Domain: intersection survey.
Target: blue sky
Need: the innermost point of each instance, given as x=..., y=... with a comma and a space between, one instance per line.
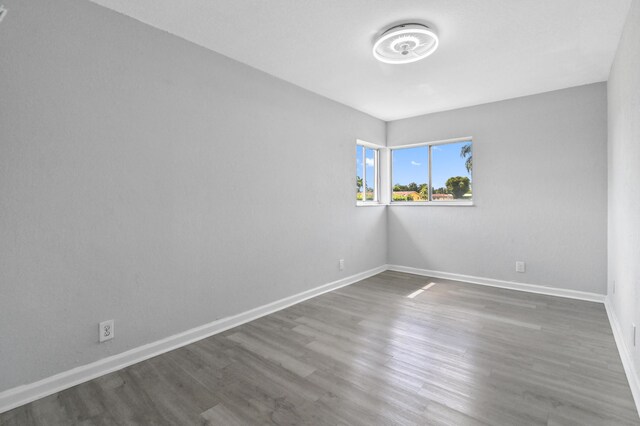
x=412, y=164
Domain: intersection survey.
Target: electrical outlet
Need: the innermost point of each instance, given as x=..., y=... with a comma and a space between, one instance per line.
x=341, y=264
x=106, y=330
x=520, y=266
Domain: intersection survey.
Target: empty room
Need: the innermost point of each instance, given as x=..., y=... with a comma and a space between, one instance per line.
x=356, y=212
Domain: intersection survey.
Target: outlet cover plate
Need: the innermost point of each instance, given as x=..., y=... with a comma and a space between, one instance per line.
x=106, y=330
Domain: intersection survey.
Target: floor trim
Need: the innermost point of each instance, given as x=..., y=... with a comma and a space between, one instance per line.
x=511, y=285
x=24, y=394
x=627, y=362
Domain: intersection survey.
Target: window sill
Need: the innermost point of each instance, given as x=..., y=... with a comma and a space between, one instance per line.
x=433, y=203
x=369, y=204
x=418, y=203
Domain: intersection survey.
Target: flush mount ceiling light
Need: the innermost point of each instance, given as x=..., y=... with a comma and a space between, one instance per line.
x=405, y=43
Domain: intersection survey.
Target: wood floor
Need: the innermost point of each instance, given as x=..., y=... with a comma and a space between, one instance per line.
x=368, y=354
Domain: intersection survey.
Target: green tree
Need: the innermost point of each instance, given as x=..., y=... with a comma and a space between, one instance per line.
x=412, y=187
x=359, y=184
x=398, y=187
x=424, y=191
x=466, y=152
x=458, y=186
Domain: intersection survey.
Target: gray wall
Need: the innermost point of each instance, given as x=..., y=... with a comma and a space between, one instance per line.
x=148, y=180
x=624, y=182
x=540, y=185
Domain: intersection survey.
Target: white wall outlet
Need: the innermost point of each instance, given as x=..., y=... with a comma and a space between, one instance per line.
x=520, y=266
x=341, y=264
x=106, y=330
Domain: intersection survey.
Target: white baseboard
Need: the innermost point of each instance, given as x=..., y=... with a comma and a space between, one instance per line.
x=511, y=285
x=627, y=362
x=21, y=395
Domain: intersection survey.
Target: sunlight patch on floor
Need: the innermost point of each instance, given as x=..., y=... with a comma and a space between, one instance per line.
x=417, y=292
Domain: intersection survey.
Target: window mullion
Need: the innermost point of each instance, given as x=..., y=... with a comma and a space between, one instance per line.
x=364, y=174
x=430, y=186
x=376, y=174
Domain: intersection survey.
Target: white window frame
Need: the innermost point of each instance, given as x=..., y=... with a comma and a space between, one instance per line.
x=430, y=202
x=376, y=168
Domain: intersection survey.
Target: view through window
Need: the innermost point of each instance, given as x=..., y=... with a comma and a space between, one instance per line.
x=438, y=172
x=366, y=174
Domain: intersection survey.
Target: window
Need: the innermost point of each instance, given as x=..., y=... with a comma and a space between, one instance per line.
x=410, y=168
x=437, y=172
x=367, y=172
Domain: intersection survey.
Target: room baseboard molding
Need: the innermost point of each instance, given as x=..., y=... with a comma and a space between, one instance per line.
x=625, y=354
x=511, y=285
x=24, y=394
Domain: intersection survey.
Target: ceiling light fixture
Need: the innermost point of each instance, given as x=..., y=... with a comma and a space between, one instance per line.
x=405, y=43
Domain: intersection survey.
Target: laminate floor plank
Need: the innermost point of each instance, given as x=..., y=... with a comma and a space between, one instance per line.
x=394, y=349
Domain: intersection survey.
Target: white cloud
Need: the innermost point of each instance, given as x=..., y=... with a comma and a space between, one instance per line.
x=436, y=148
x=369, y=162
x=413, y=163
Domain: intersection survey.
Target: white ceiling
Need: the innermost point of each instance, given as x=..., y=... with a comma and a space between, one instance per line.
x=489, y=49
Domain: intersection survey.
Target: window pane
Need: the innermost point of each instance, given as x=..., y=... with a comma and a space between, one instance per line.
x=410, y=174
x=370, y=164
x=359, y=174
x=366, y=174
x=451, y=171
